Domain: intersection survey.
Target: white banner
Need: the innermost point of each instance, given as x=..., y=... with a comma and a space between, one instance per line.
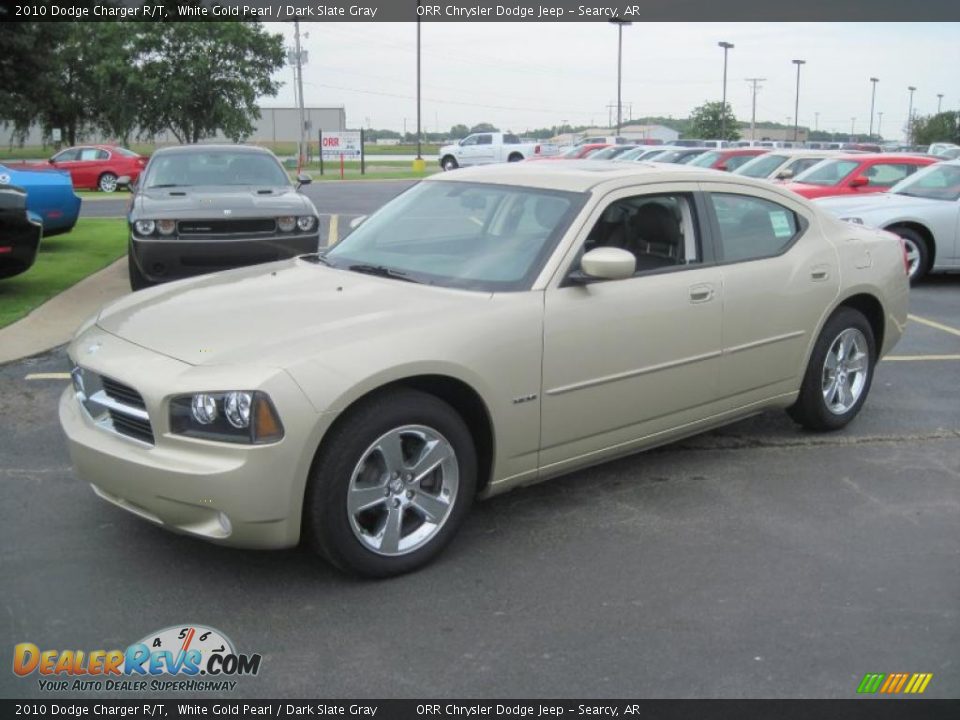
x=335, y=144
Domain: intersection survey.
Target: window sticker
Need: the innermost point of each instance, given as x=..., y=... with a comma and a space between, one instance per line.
x=782, y=227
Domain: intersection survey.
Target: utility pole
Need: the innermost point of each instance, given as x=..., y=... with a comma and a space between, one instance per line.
x=879, y=122
x=853, y=123
x=939, y=102
x=910, y=117
x=816, y=121
x=753, y=113
x=873, y=97
x=619, y=24
x=796, y=107
x=727, y=46
x=302, y=145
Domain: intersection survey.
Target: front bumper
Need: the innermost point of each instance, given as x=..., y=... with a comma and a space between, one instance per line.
x=238, y=495
x=163, y=259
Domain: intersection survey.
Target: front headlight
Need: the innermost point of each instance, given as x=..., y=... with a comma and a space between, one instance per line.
x=286, y=223
x=239, y=416
x=306, y=223
x=144, y=227
x=854, y=220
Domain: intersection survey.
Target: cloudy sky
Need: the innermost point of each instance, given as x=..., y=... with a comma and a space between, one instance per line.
x=526, y=75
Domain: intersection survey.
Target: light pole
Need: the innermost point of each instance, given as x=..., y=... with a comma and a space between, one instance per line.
x=816, y=121
x=796, y=105
x=911, y=88
x=879, y=123
x=302, y=150
x=723, y=108
x=853, y=124
x=939, y=102
x=873, y=99
x=619, y=24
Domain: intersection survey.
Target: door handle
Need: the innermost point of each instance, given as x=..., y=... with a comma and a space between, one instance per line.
x=701, y=293
x=819, y=272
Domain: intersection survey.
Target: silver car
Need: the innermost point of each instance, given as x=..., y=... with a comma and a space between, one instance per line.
x=486, y=329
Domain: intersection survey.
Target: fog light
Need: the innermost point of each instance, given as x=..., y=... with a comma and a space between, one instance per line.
x=286, y=223
x=204, y=408
x=166, y=227
x=236, y=406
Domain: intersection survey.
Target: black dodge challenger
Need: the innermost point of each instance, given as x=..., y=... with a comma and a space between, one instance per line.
x=201, y=208
x=19, y=232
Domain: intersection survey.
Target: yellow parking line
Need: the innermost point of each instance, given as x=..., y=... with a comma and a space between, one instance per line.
x=333, y=235
x=48, y=376
x=912, y=358
x=933, y=324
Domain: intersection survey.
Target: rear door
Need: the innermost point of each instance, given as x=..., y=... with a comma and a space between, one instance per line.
x=779, y=274
x=86, y=171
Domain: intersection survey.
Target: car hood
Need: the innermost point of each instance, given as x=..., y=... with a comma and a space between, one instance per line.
x=278, y=314
x=879, y=202
x=246, y=201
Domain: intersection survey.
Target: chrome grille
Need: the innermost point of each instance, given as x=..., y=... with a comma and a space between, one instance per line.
x=113, y=406
x=238, y=226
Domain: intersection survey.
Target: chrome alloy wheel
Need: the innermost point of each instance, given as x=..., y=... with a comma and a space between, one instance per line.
x=913, y=257
x=845, y=371
x=402, y=490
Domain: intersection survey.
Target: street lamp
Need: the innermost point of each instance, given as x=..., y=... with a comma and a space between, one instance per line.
x=619, y=24
x=879, y=123
x=939, y=101
x=796, y=107
x=723, y=109
x=853, y=124
x=873, y=98
x=911, y=88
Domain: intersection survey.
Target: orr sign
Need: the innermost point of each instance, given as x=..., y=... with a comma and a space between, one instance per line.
x=334, y=145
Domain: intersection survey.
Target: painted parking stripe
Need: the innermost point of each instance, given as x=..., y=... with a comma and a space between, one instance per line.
x=915, y=358
x=333, y=233
x=934, y=324
x=48, y=376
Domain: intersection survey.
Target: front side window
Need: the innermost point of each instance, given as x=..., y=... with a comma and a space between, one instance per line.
x=484, y=140
x=751, y=227
x=762, y=166
x=827, y=173
x=474, y=236
x=469, y=140
x=659, y=230
x=935, y=182
x=67, y=155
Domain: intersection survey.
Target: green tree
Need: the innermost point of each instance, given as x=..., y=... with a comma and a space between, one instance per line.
x=483, y=127
x=707, y=122
x=459, y=131
x=200, y=78
x=944, y=127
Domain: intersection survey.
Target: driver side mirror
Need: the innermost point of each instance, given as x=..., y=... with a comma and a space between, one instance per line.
x=785, y=174
x=303, y=179
x=605, y=263
x=859, y=181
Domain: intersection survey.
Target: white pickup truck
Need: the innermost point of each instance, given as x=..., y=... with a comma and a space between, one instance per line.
x=490, y=147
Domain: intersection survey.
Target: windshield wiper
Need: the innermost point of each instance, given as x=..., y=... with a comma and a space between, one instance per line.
x=382, y=271
x=316, y=258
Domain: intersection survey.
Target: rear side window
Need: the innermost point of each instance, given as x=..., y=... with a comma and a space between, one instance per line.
x=88, y=154
x=753, y=228
x=509, y=139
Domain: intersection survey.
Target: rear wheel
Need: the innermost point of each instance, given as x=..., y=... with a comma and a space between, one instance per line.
x=107, y=183
x=918, y=254
x=515, y=157
x=839, y=373
x=391, y=485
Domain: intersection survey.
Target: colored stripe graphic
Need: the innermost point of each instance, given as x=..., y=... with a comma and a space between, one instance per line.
x=918, y=683
x=870, y=683
x=894, y=683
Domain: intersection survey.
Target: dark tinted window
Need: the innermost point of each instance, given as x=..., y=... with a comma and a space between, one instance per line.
x=511, y=139
x=215, y=167
x=751, y=227
x=484, y=140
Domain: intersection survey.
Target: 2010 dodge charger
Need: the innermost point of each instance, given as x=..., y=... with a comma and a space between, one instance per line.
x=486, y=329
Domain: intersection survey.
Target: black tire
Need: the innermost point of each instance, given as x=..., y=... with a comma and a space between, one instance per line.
x=449, y=162
x=811, y=409
x=515, y=157
x=138, y=281
x=107, y=182
x=915, y=240
x=327, y=522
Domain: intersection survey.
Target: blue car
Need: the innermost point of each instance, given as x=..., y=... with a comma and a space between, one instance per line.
x=50, y=196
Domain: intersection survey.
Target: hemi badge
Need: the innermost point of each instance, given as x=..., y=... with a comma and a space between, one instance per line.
x=524, y=398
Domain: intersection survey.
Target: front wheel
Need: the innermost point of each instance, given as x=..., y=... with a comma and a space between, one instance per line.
x=391, y=485
x=839, y=373
x=917, y=252
x=107, y=183
x=449, y=163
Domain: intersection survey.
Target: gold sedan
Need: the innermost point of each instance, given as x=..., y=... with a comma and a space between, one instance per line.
x=488, y=328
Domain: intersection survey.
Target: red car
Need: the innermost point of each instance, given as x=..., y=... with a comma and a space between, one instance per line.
x=860, y=173
x=575, y=153
x=97, y=167
x=728, y=160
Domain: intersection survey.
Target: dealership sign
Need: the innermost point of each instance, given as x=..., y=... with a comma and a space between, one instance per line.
x=334, y=145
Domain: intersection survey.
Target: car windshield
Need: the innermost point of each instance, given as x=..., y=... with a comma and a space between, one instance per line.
x=633, y=154
x=572, y=152
x=474, y=236
x=609, y=153
x=687, y=156
x=198, y=167
x=706, y=160
x=935, y=182
x=761, y=166
x=828, y=172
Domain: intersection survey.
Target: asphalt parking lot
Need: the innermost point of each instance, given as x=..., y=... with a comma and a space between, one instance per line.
x=755, y=561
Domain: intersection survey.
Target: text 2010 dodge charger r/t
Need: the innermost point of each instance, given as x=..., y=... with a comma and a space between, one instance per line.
x=486, y=329
x=202, y=208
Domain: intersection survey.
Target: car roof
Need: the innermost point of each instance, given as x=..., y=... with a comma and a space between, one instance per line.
x=574, y=176
x=861, y=157
x=217, y=147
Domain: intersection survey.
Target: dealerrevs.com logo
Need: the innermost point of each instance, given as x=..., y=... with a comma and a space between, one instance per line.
x=188, y=658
